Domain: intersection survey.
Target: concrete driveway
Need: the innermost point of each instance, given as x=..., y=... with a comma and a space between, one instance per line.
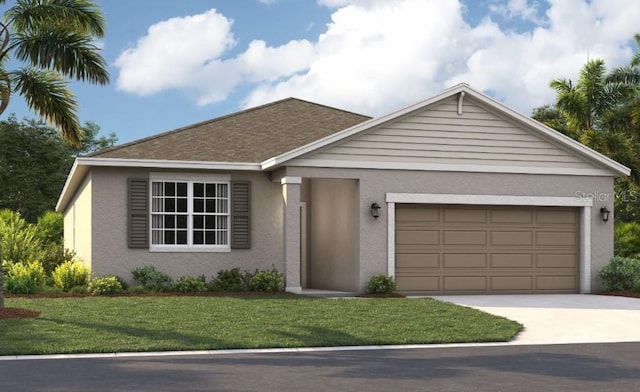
x=551, y=319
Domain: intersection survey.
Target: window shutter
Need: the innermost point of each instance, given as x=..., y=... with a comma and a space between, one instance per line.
x=240, y=215
x=138, y=211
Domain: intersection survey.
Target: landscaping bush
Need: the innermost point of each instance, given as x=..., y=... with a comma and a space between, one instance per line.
x=106, y=285
x=626, y=239
x=230, y=280
x=190, y=284
x=32, y=271
x=50, y=227
x=381, y=284
x=54, y=254
x=269, y=281
x=70, y=274
x=152, y=279
x=622, y=273
x=21, y=285
x=19, y=240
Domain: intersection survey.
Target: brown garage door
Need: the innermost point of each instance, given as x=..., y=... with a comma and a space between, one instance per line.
x=447, y=249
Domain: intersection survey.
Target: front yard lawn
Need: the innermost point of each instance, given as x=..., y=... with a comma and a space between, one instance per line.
x=126, y=324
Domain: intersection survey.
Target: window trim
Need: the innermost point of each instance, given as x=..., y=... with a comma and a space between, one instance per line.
x=189, y=179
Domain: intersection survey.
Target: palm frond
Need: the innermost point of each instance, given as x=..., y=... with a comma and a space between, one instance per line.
x=81, y=15
x=62, y=49
x=47, y=93
x=628, y=74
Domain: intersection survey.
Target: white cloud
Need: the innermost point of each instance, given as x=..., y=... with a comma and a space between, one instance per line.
x=172, y=51
x=378, y=55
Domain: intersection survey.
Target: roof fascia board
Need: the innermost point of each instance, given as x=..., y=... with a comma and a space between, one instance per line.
x=72, y=175
x=417, y=166
x=168, y=164
x=543, y=129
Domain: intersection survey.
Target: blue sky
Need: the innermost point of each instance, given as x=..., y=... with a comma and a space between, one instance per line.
x=174, y=63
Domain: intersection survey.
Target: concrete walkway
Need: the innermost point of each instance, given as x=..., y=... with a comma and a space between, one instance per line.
x=552, y=319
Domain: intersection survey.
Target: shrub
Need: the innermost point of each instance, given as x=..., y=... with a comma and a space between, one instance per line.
x=106, y=285
x=381, y=284
x=152, y=279
x=626, y=239
x=21, y=285
x=54, y=254
x=190, y=284
x=269, y=281
x=229, y=280
x=50, y=227
x=19, y=240
x=622, y=273
x=32, y=271
x=136, y=289
x=70, y=274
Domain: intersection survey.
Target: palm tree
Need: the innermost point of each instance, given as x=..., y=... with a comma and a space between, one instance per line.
x=596, y=113
x=55, y=41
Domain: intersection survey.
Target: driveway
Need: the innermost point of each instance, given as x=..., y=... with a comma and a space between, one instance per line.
x=551, y=319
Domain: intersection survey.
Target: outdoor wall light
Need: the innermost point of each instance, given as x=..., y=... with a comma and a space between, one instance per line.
x=605, y=214
x=375, y=210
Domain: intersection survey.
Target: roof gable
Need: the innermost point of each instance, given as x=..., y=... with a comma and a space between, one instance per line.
x=252, y=135
x=460, y=130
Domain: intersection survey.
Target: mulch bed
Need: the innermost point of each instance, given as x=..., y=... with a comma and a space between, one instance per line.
x=622, y=294
x=17, y=313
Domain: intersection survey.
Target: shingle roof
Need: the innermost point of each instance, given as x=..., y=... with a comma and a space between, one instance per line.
x=252, y=135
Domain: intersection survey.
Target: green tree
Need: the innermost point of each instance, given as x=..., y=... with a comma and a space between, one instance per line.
x=55, y=39
x=92, y=141
x=34, y=164
x=594, y=110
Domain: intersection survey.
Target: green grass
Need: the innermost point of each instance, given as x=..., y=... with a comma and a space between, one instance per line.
x=125, y=324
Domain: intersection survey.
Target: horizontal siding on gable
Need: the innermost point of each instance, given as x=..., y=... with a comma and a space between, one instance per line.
x=439, y=135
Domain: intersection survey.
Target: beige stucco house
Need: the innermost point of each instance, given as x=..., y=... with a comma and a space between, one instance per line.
x=474, y=198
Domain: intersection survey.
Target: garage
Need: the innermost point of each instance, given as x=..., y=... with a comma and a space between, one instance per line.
x=471, y=249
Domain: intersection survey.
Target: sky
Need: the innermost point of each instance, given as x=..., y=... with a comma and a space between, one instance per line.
x=174, y=63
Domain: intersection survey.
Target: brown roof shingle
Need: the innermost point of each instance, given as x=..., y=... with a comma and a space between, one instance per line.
x=251, y=135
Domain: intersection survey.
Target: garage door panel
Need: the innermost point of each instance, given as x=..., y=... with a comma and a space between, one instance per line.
x=511, y=283
x=464, y=283
x=457, y=215
x=419, y=283
x=415, y=213
x=418, y=237
x=556, y=283
x=464, y=237
x=511, y=238
x=511, y=260
x=486, y=249
x=465, y=260
x=556, y=238
x=556, y=260
x=418, y=260
x=557, y=217
x=511, y=216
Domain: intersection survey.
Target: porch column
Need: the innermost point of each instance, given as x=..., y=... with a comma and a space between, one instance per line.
x=291, y=223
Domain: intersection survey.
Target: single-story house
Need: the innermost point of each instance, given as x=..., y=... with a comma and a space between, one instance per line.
x=455, y=194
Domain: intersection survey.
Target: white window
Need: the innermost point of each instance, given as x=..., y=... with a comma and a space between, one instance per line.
x=189, y=214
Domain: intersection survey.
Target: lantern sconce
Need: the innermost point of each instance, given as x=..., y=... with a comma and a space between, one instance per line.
x=605, y=214
x=375, y=210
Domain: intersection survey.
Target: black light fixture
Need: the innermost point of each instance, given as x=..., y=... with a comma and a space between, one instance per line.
x=375, y=210
x=605, y=214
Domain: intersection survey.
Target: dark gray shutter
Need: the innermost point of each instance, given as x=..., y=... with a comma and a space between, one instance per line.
x=138, y=210
x=240, y=215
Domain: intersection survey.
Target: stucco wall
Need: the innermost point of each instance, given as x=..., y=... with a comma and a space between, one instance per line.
x=334, y=240
x=374, y=184
x=77, y=222
x=112, y=256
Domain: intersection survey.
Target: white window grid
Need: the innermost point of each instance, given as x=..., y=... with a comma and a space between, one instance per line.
x=205, y=223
